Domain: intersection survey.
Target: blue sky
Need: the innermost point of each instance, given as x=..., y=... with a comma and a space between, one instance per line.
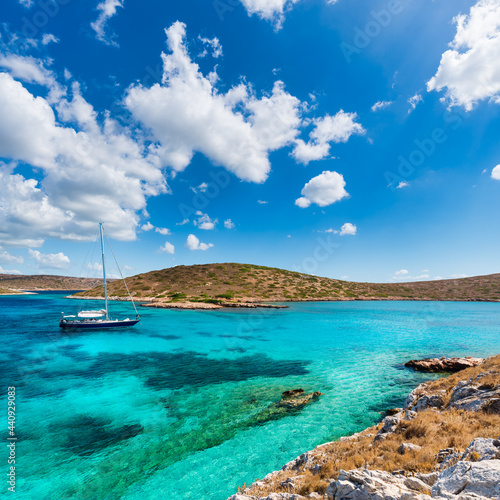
x=329, y=137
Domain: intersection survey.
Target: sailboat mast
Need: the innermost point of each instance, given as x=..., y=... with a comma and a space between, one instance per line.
x=104, y=271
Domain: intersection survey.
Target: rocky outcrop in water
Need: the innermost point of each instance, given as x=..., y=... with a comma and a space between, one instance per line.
x=297, y=398
x=291, y=402
x=448, y=365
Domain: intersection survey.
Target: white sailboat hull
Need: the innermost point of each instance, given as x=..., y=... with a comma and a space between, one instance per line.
x=88, y=324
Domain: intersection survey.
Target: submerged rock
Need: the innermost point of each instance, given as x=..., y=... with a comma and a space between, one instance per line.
x=292, y=393
x=293, y=402
x=450, y=365
x=298, y=401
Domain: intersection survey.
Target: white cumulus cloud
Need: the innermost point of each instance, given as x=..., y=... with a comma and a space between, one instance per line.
x=48, y=38
x=49, y=260
x=188, y=114
x=8, y=258
x=414, y=100
x=337, y=128
x=348, y=229
x=9, y=271
x=470, y=70
x=193, y=243
x=90, y=169
x=381, y=105
x=212, y=43
x=167, y=248
x=495, y=173
x=271, y=10
x=323, y=190
x=163, y=230
x=229, y=224
x=107, y=11
x=205, y=222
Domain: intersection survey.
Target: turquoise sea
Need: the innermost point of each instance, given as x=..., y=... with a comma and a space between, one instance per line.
x=175, y=408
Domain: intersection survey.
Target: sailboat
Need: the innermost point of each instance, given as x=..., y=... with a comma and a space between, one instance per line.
x=99, y=318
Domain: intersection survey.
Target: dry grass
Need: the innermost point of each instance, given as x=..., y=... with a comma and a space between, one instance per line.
x=259, y=283
x=487, y=376
x=432, y=430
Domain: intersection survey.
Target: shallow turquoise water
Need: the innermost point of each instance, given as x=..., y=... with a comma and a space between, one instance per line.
x=176, y=407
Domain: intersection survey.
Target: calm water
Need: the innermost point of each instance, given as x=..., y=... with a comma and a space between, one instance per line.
x=177, y=407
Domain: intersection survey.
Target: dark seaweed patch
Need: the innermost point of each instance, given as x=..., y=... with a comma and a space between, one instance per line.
x=87, y=435
x=240, y=350
x=165, y=337
x=204, y=334
x=174, y=370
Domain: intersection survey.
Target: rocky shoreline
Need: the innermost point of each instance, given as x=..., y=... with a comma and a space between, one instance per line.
x=444, y=443
x=160, y=304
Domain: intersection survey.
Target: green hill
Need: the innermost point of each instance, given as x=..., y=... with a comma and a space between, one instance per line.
x=250, y=283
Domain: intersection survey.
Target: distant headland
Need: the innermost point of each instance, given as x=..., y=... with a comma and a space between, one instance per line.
x=239, y=285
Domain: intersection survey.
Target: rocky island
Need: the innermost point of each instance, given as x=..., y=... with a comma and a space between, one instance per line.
x=444, y=443
x=211, y=286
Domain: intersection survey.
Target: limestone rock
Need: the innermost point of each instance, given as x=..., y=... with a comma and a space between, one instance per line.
x=470, y=395
x=297, y=463
x=410, y=415
x=283, y=496
x=469, y=478
x=447, y=457
x=271, y=496
x=443, y=364
x=428, y=479
x=291, y=482
x=405, y=447
x=364, y=484
x=352, y=437
x=390, y=424
x=429, y=401
x=482, y=449
x=411, y=399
